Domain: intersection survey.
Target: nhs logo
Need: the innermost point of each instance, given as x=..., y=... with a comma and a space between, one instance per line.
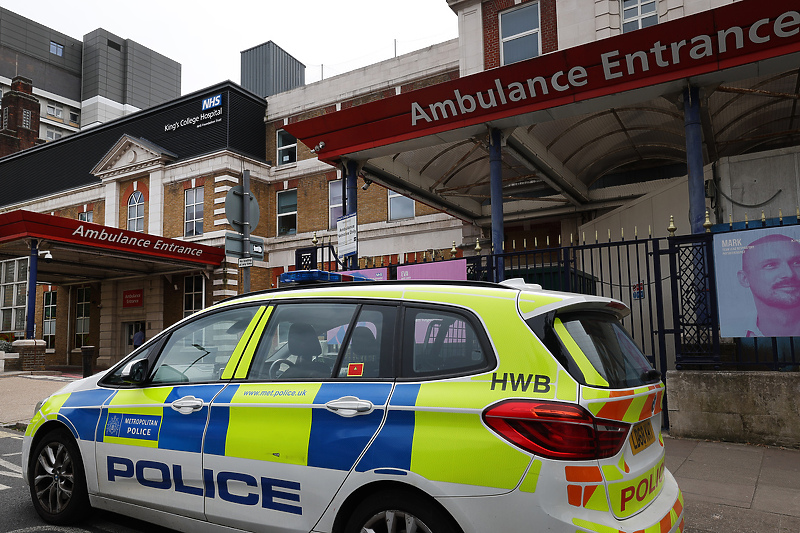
x=212, y=102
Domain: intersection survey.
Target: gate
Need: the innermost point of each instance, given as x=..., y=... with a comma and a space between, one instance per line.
x=668, y=283
x=630, y=271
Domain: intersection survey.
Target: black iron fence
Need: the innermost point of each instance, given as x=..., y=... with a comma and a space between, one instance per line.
x=668, y=283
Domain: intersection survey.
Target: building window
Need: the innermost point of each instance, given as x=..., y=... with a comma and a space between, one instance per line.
x=49, y=321
x=520, y=38
x=193, y=224
x=638, y=14
x=56, y=49
x=55, y=111
x=26, y=118
x=13, y=296
x=193, y=294
x=400, y=206
x=86, y=216
x=83, y=309
x=335, y=207
x=74, y=117
x=53, y=135
x=287, y=212
x=136, y=211
x=287, y=148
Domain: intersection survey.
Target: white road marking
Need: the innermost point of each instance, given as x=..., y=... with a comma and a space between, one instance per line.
x=10, y=466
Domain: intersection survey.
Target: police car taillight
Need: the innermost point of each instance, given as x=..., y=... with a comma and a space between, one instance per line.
x=556, y=430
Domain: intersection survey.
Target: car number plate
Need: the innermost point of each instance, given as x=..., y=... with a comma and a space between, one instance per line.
x=642, y=436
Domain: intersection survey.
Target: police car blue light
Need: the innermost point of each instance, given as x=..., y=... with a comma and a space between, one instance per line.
x=299, y=277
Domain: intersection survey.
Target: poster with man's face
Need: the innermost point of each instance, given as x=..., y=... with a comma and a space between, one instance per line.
x=758, y=282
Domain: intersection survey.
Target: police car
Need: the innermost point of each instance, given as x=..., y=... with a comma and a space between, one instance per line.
x=434, y=407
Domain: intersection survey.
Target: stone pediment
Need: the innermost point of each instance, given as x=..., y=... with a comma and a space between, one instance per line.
x=130, y=154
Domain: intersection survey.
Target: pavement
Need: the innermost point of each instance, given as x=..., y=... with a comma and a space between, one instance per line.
x=727, y=487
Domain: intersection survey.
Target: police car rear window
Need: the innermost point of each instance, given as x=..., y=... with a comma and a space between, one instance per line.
x=439, y=343
x=597, y=351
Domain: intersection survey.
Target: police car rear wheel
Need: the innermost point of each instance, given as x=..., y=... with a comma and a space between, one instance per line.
x=57, y=482
x=398, y=512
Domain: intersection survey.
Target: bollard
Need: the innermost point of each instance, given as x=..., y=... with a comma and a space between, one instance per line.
x=87, y=355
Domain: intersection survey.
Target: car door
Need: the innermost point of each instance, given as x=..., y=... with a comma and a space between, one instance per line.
x=291, y=426
x=150, y=436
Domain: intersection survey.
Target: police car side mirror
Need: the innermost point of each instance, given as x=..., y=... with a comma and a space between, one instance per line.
x=135, y=372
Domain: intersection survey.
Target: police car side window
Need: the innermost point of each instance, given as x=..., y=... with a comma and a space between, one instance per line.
x=198, y=351
x=438, y=342
x=302, y=341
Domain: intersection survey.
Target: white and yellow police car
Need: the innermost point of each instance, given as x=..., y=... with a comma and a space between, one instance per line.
x=434, y=407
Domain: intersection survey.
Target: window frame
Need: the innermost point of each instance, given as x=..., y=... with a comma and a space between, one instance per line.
x=332, y=218
x=13, y=288
x=49, y=311
x=394, y=195
x=279, y=214
x=281, y=148
x=202, y=292
x=639, y=17
x=136, y=220
x=27, y=119
x=55, y=110
x=86, y=216
x=508, y=39
x=57, y=49
x=53, y=134
x=194, y=222
x=83, y=315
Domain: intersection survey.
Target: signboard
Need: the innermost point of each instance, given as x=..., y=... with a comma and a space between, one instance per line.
x=245, y=262
x=133, y=298
x=758, y=282
x=210, y=112
x=347, y=230
x=456, y=270
x=20, y=223
x=713, y=40
x=378, y=274
x=234, y=246
x=638, y=291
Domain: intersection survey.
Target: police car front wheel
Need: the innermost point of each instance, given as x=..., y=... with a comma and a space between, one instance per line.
x=57, y=481
x=398, y=512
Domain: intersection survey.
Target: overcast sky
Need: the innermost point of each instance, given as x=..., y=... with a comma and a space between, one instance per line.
x=328, y=36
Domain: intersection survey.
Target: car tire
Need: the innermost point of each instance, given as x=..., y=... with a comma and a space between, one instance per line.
x=57, y=479
x=399, y=512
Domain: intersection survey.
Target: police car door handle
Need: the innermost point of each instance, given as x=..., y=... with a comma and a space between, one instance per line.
x=187, y=405
x=350, y=406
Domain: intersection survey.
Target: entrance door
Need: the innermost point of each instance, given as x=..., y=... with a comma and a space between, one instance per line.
x=129, y=330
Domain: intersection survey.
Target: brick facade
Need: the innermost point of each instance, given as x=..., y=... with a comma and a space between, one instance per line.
x=19, y=121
